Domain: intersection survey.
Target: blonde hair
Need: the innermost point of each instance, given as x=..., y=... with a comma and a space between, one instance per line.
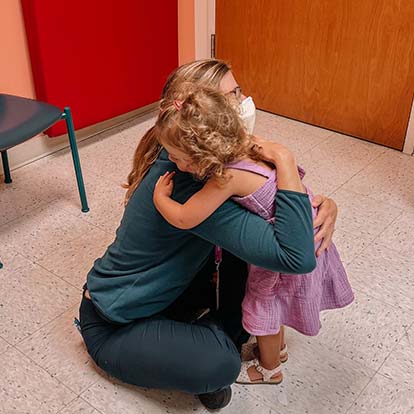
x=207, y=72
x=201, y=122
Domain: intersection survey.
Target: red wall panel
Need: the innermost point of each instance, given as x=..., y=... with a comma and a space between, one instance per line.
x=101, y=58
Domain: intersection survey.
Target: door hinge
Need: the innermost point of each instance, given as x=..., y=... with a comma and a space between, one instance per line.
x=213, y=45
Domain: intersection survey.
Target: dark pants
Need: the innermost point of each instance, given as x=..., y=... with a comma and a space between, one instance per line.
x=170, y=350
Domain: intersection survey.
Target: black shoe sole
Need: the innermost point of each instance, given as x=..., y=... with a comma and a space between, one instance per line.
x=216, y=400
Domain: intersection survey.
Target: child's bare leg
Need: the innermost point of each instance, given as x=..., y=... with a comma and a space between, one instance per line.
x=282, y=337
x=269, y=351
x=282, y=341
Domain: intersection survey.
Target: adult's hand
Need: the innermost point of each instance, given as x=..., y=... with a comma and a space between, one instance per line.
x=325, y=220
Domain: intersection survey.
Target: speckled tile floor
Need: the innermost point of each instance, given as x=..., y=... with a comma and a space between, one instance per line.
x=362, y=362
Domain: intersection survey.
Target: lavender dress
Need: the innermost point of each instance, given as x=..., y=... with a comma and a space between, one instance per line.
x=273, y=299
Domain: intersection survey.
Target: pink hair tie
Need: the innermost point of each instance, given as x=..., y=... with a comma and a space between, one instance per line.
x=177, y=104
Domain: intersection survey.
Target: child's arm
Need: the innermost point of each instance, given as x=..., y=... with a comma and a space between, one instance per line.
x=198, y=208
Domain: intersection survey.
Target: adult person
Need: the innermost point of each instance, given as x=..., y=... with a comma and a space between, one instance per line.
x=143, y=313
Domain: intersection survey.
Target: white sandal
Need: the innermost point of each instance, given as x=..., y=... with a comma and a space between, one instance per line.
x=249, y=352
x=267, y=374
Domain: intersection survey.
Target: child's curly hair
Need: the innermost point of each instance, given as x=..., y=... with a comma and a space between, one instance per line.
x=201, y=122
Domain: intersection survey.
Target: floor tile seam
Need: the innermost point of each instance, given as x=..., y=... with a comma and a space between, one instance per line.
x=375, y=370
x=37, y=258
x=382, y=244
x=48, y=373
x=262, y=399
x=363, y=168
x=21, y=216
x=388, y=204
x=395, y=307
x=284, y=134
x=333, y=351
x=15, y=269
x=409, y=327
x=375, y=239
x=396, y=382
x=370, y=243
x=84, y=217
x=66, y=405
x=6, y=349
x=87, y=402
x=357, y=254
x=80, y=144
x=322, y=141
x=39, y=207
x=34, y=262
x=336, y=352
x=5, y=340
x=88, y=387
x=60, y=277
x=83, y=400
x=96, y=176
x=51, y=321
x=359, y=394
x=391, y=351
x=366, y=165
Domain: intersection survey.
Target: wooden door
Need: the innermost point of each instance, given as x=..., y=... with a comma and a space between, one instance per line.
x=345, y=65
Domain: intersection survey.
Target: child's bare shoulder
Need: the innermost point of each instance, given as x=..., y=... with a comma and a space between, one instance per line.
x=245, y=182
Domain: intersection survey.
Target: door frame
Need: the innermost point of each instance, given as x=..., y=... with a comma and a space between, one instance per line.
x=204, y=27
x=409, y=135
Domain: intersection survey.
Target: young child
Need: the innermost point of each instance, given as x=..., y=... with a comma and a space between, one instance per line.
x=204, y=136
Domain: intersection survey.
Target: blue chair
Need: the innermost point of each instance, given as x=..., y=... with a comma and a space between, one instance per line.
x=22, y=119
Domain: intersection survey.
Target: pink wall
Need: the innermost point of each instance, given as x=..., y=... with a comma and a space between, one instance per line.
x=15, y=68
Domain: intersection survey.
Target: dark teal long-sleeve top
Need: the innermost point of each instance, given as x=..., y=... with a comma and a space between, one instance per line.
x=150, y=262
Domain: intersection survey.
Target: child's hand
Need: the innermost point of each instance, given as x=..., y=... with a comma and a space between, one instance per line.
x=164, y=185
x=272, y=151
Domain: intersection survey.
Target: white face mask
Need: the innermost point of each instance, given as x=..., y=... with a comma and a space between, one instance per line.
x=248, y=114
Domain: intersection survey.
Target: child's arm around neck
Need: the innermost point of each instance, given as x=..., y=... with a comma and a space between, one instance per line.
x=201, y=205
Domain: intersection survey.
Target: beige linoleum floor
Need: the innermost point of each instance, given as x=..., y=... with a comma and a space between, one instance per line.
x=363, y=360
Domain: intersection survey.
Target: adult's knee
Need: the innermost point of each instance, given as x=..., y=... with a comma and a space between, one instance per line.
x=219, y=370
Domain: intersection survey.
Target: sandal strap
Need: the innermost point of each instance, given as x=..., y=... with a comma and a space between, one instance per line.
x=243, y=375
x=267, y=373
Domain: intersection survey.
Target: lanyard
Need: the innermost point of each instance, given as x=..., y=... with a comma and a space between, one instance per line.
x=218, y=253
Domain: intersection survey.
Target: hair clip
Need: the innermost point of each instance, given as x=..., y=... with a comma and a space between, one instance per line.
x=177, y=104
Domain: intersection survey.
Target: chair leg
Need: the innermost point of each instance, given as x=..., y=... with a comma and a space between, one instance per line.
x=75, y=156
x=6, y=168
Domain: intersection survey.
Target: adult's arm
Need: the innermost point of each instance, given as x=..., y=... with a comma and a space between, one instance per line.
x=286, y=246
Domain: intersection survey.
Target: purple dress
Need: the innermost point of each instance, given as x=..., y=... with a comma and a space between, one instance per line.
x=274, y=299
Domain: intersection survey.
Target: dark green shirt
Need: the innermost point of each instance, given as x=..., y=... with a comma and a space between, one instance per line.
x=150, y=262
